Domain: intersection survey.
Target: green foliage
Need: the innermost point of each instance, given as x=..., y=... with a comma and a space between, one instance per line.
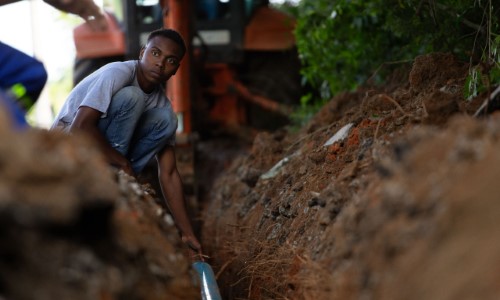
x=342, y=43
x=475, y=83
x=56, y=92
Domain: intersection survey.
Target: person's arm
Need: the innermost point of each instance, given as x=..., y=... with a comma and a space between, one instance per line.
x=86, y=121
x=5, y=2
x=171, y=186
x=86, y=9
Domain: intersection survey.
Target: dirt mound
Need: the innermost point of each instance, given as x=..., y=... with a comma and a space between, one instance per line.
x=385, y=194
x=71, y=228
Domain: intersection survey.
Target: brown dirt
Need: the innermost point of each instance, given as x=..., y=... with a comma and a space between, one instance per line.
x=403, y=208
x=71, y=228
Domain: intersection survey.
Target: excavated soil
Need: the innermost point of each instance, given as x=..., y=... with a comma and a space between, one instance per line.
x=404, y=205
x=71, y=228
x=387, y=193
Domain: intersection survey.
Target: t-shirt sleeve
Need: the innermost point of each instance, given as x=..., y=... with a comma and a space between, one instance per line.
x=104, y=85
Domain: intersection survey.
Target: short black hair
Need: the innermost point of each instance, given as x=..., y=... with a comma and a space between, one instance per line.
x=170, y=34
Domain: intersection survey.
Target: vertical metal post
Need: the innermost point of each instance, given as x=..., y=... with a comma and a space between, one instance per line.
x=178, y=17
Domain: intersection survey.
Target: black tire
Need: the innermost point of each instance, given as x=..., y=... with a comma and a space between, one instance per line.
x=85, y=66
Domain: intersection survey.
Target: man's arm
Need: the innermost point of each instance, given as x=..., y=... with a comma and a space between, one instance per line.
x=86, y=9
x=5, y=2
x=171, y=186
x=86, y=121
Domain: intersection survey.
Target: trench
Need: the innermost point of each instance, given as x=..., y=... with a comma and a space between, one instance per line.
x=392, y=205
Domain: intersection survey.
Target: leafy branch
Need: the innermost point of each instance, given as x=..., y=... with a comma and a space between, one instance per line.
x=342, y=41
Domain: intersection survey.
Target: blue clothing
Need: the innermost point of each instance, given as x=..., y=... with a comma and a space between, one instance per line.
x=20, y=69
x=136, y=124
x=14, y=111
x=135, y=132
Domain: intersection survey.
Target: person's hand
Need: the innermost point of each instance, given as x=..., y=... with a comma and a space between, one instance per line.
x=86, y=9
x=194, y=247
x=122, y=163
x=128, y=169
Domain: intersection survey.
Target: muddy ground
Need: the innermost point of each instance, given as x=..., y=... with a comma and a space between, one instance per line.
x=404, y=205
x=72, y=228
x=387, y=193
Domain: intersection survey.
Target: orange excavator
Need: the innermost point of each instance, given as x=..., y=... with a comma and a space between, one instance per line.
x=242, y=68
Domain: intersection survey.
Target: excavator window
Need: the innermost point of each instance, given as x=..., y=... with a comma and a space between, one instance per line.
x=220, y=9
x=149, y=11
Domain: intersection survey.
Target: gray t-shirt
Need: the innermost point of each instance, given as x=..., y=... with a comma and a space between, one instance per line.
x=97, y=89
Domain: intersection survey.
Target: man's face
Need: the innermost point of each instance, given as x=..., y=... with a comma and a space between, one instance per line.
x=160, y=59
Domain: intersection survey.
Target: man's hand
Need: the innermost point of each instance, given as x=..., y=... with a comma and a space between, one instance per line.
x=194, y=247
x=86, y=9
x=119, y=161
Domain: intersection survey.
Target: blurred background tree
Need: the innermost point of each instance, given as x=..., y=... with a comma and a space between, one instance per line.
x=344, y=43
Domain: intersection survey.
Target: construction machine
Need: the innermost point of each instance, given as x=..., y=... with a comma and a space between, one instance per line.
x=241, y=69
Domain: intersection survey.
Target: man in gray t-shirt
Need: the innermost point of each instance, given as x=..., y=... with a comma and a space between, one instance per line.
x=108, y=83
x=123, y=107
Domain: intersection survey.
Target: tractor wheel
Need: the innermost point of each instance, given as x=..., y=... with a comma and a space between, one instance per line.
x=85, y=66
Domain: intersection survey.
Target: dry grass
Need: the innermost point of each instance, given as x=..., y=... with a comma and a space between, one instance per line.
x=315, y=280
x=271, y=271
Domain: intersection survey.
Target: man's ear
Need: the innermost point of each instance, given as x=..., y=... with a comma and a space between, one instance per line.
x=142, y=52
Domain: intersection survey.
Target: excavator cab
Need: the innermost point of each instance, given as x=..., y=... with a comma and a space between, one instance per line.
x=218, y=30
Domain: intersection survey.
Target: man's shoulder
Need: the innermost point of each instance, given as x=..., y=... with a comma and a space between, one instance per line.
x=121, y=70
x=127, y=65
